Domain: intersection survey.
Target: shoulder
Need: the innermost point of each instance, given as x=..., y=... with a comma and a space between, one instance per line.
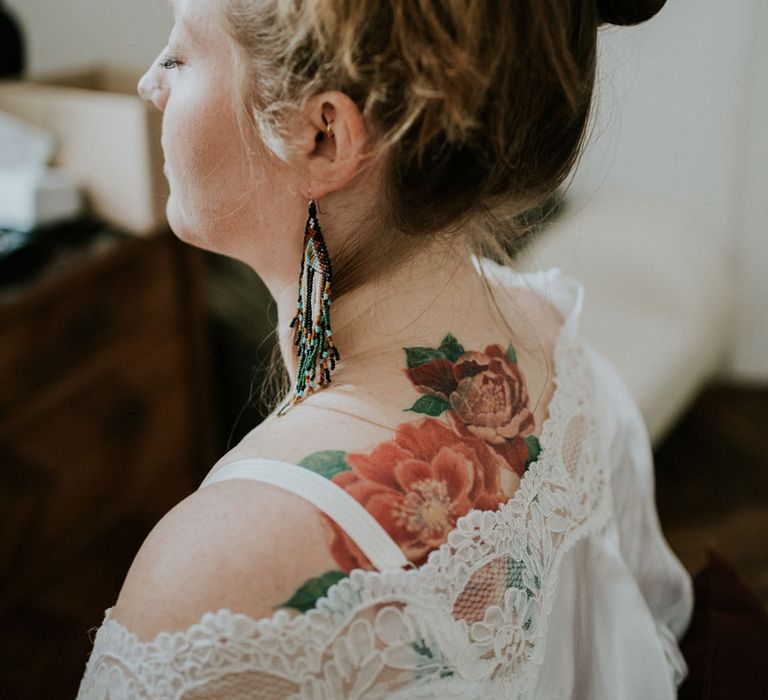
x=325, y=421
x=241, y=545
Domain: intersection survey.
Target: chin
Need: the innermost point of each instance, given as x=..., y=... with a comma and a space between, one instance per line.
x=180, y=226
x=188, y=230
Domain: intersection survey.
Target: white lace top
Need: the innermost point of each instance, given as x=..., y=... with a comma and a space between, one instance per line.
x=567, y=590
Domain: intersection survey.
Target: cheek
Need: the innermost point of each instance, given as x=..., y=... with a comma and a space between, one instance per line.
x=205, y=156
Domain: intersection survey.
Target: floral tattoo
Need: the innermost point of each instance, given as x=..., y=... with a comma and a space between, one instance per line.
x=469, y=451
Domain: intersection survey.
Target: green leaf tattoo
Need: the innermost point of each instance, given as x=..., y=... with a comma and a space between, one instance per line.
x=431, y=660
x=306, y=597
x=451, y=348
x=511, y=354
x=534, y=448
x=419, y=355
x=514, y=578
x=430, y=405
x=326, y=463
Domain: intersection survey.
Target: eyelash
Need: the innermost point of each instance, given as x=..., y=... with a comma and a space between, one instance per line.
x=169, y=59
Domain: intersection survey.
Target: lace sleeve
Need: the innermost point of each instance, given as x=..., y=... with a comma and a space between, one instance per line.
x=369, y=654
x=209, y=660
x=663, y=581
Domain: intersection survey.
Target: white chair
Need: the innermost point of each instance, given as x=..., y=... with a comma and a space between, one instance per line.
x=659, y=294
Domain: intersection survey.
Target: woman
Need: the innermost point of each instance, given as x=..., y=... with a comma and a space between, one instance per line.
x=455, y=496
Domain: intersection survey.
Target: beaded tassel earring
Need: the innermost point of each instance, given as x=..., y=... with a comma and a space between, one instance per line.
x=312, y=323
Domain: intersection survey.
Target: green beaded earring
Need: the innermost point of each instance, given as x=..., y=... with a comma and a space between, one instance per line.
x=312, y=333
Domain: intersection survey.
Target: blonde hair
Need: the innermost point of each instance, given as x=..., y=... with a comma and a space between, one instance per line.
x=479, y=107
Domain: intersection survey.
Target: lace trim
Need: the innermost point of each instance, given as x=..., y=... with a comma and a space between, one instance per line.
x=553, y=506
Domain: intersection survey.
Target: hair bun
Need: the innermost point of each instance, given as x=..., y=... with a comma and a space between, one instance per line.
x=627, y=12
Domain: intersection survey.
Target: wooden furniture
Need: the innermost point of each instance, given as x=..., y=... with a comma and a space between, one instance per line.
x=105, y=424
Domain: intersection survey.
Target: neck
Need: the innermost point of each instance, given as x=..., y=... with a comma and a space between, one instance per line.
x=414, y=305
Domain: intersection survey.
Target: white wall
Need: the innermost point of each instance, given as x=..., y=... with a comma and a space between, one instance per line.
x=64, y=34
x=751, y=345
x=682, y=109
x=683, y=101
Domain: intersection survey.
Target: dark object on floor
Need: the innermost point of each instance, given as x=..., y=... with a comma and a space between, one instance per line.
x=726, y=645
x=12, y=48
x=25, y=253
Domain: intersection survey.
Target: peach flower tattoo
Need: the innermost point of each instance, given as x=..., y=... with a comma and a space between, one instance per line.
x=481, y=393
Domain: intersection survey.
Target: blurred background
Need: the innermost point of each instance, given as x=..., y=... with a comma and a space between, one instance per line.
x=130, y=362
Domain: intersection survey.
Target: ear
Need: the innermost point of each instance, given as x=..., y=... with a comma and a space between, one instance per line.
x=330, y=161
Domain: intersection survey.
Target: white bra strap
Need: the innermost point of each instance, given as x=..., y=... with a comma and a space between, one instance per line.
x=359, y=525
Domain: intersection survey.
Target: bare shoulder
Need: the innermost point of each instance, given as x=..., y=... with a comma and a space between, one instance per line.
x=327, y=421
x=240, y=545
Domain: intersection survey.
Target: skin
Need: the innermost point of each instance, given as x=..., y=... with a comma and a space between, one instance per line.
x=238, y=200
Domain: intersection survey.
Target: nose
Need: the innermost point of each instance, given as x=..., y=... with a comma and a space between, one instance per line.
x=150, y=90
